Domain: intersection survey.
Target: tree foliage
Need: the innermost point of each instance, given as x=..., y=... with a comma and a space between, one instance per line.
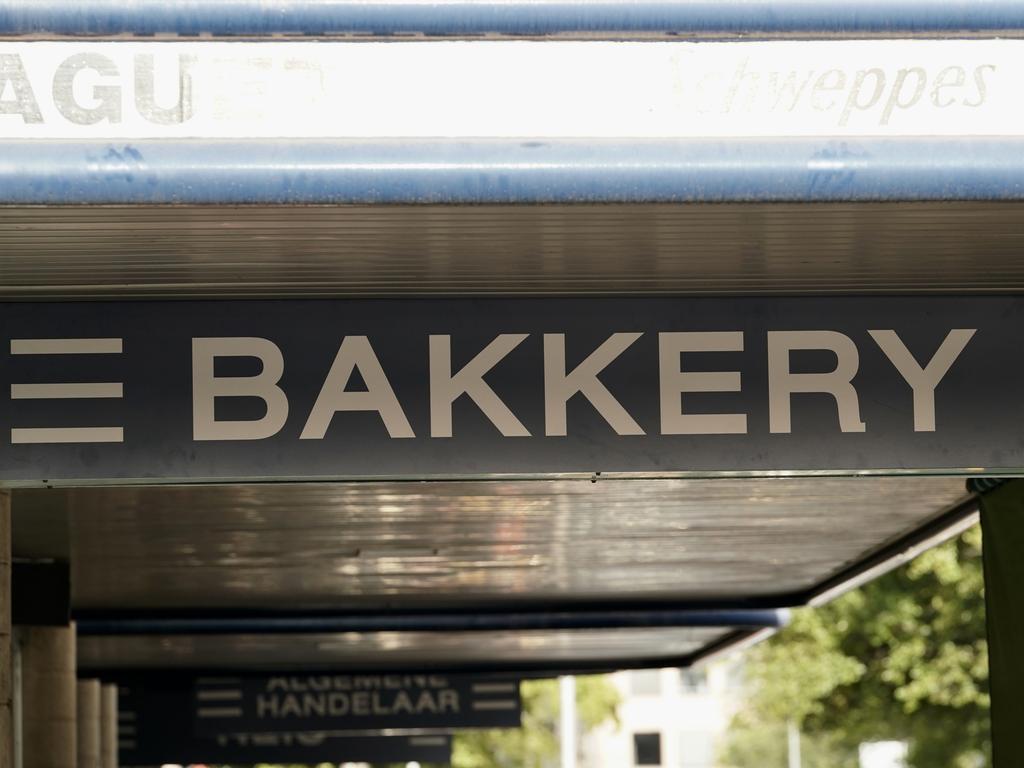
x=536, y=744
x=902, y=658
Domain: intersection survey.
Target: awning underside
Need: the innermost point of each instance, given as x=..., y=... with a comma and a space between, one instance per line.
x=204, y=554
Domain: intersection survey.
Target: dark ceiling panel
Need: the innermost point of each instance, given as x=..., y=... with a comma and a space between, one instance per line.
x=491, y=544
x=393, y=250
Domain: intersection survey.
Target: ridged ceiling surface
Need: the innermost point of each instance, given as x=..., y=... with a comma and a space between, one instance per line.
x=381, y=546
x=177, y=251
x=392, y=650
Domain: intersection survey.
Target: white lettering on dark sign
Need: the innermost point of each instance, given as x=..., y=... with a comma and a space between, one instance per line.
x=360, y=696
x=442, y=388
x=674, y=376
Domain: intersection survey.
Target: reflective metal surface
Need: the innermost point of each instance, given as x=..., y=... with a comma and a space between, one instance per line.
x=393, y=650
x=479, y=544
x=176, y=251
x=504, y=170
x=471, y=18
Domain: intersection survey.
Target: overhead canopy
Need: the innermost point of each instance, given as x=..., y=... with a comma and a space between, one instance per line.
x=505, y=574
x=489, y=167
x=462, y=169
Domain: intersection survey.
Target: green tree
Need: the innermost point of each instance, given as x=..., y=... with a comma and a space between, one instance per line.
x=535, y=744
x=903, y=657
x=764, y=743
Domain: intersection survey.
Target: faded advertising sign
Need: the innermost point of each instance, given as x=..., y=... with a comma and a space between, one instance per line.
x=354, y=703
x=155, y=727
x=509, y=89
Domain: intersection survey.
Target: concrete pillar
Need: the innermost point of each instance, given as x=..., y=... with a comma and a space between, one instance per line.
x=48, y=697
x=6, y=659
x=108, y=727
x=88, y=724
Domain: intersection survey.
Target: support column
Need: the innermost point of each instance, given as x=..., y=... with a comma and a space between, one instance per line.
x=49, y=697
x=6, y=659
x=1002, y=525
x=88, y=724
x=108, y=727
x=567, y=720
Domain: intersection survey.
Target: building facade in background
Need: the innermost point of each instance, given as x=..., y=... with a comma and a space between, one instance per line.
x=671, y=717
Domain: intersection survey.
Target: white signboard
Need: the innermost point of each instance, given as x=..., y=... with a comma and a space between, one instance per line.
x=510, y=89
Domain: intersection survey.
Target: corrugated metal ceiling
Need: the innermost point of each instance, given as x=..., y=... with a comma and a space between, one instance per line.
x=182, y=251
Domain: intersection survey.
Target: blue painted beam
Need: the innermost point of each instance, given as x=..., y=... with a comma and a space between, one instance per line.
x=515, y=17
x=454, y=622
x=470, y=172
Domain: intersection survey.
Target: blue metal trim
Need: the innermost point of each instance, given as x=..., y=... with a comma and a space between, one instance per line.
x=570, y=171
x=473, y=17
x=983, y=485
x=456, y=622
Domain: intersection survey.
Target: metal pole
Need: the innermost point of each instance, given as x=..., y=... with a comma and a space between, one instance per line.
x=567, y=689
x=793, y=734
x=6, y=665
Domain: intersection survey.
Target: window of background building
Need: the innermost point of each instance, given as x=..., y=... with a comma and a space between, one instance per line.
x=647, y=748
x=696, y=749
x=645, y=682
x=693, y=680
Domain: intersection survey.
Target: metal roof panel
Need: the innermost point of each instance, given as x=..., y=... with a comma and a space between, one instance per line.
x=264, y=172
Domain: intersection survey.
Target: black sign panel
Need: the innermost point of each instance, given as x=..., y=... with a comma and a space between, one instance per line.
x=155, y=727
x=430, y=388
x=354, y=703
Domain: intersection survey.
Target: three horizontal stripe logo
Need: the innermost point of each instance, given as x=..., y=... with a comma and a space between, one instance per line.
x=221, y=702
x=495, y=705
x=67, y=346
x=67, y=391
x=494, y=687
x=428, y=741
x=214, y=712
x=225, y=695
